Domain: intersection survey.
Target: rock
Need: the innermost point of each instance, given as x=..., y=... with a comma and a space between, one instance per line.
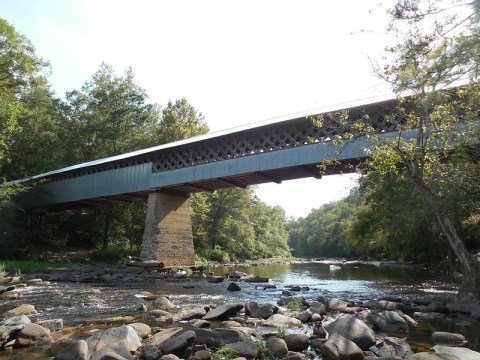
x=464, y=307
x=163, y=336
x=282, y=320
x=143, y=330
x=52, y=324
x=162, y=303
x=297, y=342
x=233, y=287
x=118, y=348
x=462, y=353
x=389, y=321
x=277, y=347
x=33, y=334
x=150, y=352
x=9, y=295
x=296, y=356
x=437, y=306
x=246, y=349
x=219, y=336
x=316, y=344
x=215, y=279
x=24, y=309
x=318, y=308
x=304, y=316
x=336, y=304
x=112, y=356
x=94, y=301
x=199, y=323
x=395, y=347
x=432, y=356
x=179, y=344
x=448, y=339
x=77, y=350
x=203, y=354
x=229, y=324
x=236, y=274
x=354, y=330
x=257, y=279
x=428, y=316
x=169, y=357
x=260, y=310
x=338, y=347
x=223, y=312
x=112, y=336
x=188, y=314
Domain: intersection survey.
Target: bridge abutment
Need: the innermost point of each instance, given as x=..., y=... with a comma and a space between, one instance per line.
x=168, y=231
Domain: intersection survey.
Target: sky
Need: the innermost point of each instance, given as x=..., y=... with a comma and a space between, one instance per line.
x=238, y=62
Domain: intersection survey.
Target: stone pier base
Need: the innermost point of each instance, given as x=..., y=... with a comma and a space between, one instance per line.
x=168, y=231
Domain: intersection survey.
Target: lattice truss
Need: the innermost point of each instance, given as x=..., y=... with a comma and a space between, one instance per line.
x=278, y=137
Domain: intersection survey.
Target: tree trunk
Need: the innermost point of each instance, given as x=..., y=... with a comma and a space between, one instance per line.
x=470, y=267
x=107, y=225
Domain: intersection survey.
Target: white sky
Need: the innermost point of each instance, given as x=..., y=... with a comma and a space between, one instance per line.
x=237, y=62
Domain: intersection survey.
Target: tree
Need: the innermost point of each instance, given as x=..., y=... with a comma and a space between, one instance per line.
x=437, y=46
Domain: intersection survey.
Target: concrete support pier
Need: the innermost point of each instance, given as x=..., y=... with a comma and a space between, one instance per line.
x=168, y=231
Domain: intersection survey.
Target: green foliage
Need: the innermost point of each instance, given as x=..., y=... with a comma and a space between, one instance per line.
x=224, y=353
x=115, y=254
x=217, y=254
x=11, y=231
x=263, y=352
x=3, y=273
x=294, y=304
x=280, y=331
x=32, y=266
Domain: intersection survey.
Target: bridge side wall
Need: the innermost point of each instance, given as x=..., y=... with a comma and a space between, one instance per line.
x=168, y=231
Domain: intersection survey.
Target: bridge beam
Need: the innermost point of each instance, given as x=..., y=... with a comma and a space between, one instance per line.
x=168, y=231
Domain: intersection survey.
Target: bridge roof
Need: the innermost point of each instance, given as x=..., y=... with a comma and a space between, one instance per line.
x=276, y=121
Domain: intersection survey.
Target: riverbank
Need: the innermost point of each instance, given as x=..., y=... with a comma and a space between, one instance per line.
x=85, y=301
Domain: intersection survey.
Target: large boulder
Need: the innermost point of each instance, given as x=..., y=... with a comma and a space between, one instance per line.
x=395, y=347
x=247, y=349
x=161, y=337
x=339, y=348
x=189, y=314
x=448, y=339
x=335, y=304
x=353, y=329
x=179, y=344
x=162, y=303
x=110, y=337
x=389, y=321
x=33, y=334
x=222, y=312
x=219, y=336
x=24, y=309
x=260, y=310
x=78, y=350
x=462, y=353
x=282, y=320
x=277, y=347
x=297, y=342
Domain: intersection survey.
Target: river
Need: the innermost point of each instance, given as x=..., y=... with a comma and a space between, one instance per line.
x=121, y=300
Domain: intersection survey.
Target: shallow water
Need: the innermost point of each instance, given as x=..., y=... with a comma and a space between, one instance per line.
x=122, y=299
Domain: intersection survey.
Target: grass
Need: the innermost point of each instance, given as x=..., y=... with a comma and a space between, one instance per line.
x=294, y=305
x=32, y=266
x=115, y=254
x=224, y=353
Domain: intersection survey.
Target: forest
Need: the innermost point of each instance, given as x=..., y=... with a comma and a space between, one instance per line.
x=418, y=199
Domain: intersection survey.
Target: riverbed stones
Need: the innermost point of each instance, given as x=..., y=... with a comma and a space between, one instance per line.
x=179, y=344
x=354, y=330
x=78, y=350
x=112, y=336
x=215, y=279
x=465, y=307
x=189, y=314
x=33, y=334
x=277, y=347
x=335, y=304
x=247, y=349
x=219, y=336
x=150, y=352
x=389, y=321
x=223, y=311
x=143, y=330
x=161, y=337
x=51, y=324
x=162, y=303
x=233, y=286
x=318, y=308
x=260, y=310
x=24, y=309
x=462, y=353
x=282, y=320
x=395, y=347
x=339, y=348
x=448, y=339
x=297, y=342
x=432, y=356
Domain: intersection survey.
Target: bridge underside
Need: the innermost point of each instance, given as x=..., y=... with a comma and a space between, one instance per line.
x=210, y=185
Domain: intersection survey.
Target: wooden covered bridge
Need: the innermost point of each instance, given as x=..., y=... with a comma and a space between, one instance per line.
x=271, y=151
